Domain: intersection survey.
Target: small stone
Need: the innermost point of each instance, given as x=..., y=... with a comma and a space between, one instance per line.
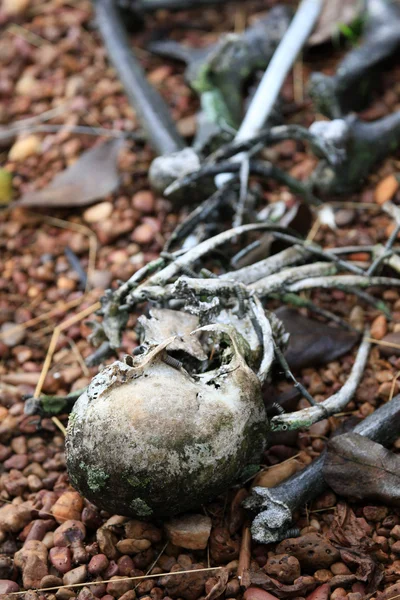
x=86, y=594
x=119, y=586
x=386, y=189
x=357, y=317
x=25, y=147
x=340, y=568
x=311, y=550
x=98, y=212
x=68, y=507
x=253, y=593
x=320, y=593
x=391, y=338
x=77, y=575
x=379, y=327
x=130, y=546
x=375, y=513
x=189, y=531
x=143, y=234
x=98, y=564
x=143, y=201
x=32, y=560
x=140, y=530
x=14, y=517
x=276, y=474
x=50, y=581
x=395, y=532
x=107, y=541
x=11, y=334
x=131, y=595
x=283, y=567
x=17, y=461
x=396, y=547
x=15, y=7
x=338, y=593
x=345, y=216
x=66, y=284
x=321, y=428
x=100, y=278
x=61, y=559
x=322, y=575
x=8, y=587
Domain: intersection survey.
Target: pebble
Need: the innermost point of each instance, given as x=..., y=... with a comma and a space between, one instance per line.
x=322, y=575
x=143, y=234
x=14, y=517
x=100, y=278
x=392, y=338
x=386, y=189
x=283, y=567
x=25, y=147
x=345, y=216
x=17, y=461
x=8, y=587
x=375, y=513
x=98, y=212
x=32, y=560
x=77, y=575
x=98, y=564
x=320, y=593
x=61, y=559
x=379, y=327
x=189, y=531
x=68, y=507
x=140, y=530
x=276, y=474
x=15, y=7
x=11, y=334
x=130, y=546
x=119, y=586
x=395, y=532
x=312, y=550
x=321, y=428
x=338, y=593
x=143, y=201
x=340, y=568
x=253, y=593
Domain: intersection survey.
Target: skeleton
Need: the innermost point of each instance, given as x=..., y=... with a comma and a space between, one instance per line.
x=184, y=415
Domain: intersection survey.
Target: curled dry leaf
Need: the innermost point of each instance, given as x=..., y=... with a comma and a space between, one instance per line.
x=92, y=176
x=352, y=537
x=219, y=588
x=333, y=15
x=361, y=469
x=301, y=587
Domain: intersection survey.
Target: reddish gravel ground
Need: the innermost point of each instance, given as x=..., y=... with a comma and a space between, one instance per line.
x=50, y=537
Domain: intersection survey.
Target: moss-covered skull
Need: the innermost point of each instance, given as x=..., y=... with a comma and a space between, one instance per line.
x=148, y=439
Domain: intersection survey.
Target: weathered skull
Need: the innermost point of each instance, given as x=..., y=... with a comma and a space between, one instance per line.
x=148, y=438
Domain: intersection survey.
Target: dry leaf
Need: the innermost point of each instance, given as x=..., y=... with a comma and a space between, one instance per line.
x=359, y=468
x=312, y=342
x=301, y=587
x=92, y=176
x=219, y=588
x=339, y=12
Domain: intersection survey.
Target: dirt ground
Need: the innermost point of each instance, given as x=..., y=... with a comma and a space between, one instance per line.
x=52, y=57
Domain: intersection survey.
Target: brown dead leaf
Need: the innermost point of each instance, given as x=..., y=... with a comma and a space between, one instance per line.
x=351, y=535
x=340, y=12
x=301, y=587
x=312, y=342
x=219, y=588
x=92, y=176
x=359, y=468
